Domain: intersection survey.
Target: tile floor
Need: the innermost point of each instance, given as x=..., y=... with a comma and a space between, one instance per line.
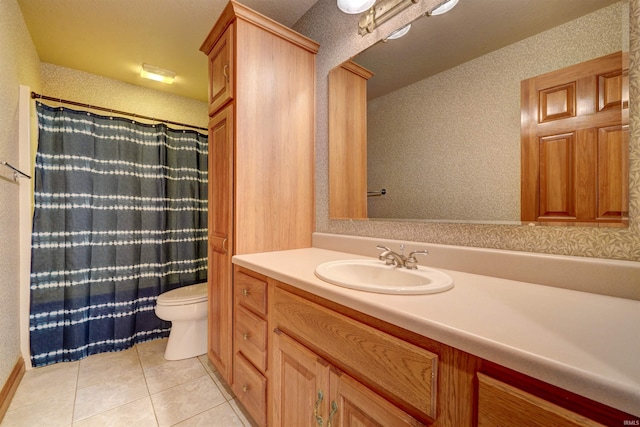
x=135, y=387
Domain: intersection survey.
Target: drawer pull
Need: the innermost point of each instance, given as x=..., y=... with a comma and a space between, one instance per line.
x=245, y=336
x=315, y=408
x=245, y=388
x=245, y=292
x=334, y=409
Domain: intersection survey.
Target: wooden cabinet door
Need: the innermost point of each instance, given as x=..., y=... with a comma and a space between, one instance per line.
x=307, y=391
x=352, y=404
x=300, y=384
x=575, y=143
x=220, y=222
x=221, y=69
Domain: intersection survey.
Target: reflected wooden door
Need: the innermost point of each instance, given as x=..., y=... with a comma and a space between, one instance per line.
x=575, y=143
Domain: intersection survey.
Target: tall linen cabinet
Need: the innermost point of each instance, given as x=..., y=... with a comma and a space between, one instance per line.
x=261, y=153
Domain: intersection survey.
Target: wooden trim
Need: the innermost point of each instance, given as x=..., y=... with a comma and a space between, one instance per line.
x=357, y=69
x=10, y=386
x=235, y=10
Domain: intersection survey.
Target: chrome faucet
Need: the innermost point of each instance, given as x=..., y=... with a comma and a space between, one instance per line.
x=398, y=259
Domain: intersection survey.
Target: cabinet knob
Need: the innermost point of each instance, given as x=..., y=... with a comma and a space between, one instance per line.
x=245, y=336
x=245, y=388
x=245, y=292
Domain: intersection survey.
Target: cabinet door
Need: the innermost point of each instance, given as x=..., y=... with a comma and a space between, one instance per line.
x=221, y=241
x=300, y=381
x=352, y=404
x=501, y=404
x=221, y=71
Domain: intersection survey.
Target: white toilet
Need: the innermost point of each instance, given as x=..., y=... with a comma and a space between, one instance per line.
x=186, y=309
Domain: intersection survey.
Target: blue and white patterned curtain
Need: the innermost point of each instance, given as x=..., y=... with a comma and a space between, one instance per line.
x=120, y=217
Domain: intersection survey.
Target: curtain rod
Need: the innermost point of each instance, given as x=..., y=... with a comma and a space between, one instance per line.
x=109, y=110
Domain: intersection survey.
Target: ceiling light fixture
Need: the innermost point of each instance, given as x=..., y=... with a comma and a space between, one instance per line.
x=158, y=74
x=381, y=12
x=399, y=33
x=443, y=8
x=355, y=6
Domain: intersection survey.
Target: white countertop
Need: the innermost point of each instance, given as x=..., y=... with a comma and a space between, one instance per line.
x=585, y=343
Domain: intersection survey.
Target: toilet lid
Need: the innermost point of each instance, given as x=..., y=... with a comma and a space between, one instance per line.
x=185, y=295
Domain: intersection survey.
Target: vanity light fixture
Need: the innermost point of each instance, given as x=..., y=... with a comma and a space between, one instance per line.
x=158, y=74
x=355, y=6
x=381, y=12
x=399, y=33
x=443, y=8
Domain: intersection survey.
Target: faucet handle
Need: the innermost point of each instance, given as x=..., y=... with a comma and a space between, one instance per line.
x=384, y=255
x=412, y=263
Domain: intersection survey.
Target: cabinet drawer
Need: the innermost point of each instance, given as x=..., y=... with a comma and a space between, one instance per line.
x=250, y=334
x=250, y=292
x=501, y=404
x=398, y=370
x=250, y=387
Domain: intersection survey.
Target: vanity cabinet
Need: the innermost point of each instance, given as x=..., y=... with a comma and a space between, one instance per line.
x=261, y=159
x=348, y=141
x=344, y=367
x=308, y=391
x=330, y=363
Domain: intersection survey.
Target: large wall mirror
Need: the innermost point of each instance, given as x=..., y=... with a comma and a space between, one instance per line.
x=444, y=109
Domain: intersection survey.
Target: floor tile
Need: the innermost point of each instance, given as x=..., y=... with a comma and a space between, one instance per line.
x=109, y=394
x=55, y=411
x=181, y=402
x=41, y=383
x=139, y=414
x=172, y=373
x=100, y=367
x=135, y=387
x=241, y=413
x=220, y=416
x=215, y=375
x=152, y=352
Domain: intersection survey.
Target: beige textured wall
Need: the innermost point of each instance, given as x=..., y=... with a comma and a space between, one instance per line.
x=337, y=34
x=448, y=147
x=19, y=64
x=100, y=91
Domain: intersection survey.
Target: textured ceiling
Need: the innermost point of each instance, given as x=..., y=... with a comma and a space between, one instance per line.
x=112, y=38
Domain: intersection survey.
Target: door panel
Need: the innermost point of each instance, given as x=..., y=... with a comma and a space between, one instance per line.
x=574, y=155
x=220, y=241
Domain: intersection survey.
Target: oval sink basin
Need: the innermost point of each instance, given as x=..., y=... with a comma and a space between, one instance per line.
x=375, y=276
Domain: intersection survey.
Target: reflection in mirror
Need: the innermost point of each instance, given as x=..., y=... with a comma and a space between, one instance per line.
x=444, y=130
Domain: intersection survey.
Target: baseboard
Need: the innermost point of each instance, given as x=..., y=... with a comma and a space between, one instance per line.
x=10, y=387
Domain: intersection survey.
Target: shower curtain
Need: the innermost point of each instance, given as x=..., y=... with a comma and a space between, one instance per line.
x=120, y=216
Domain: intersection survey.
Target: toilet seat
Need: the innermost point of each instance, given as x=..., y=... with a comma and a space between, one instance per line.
x=191, y=294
